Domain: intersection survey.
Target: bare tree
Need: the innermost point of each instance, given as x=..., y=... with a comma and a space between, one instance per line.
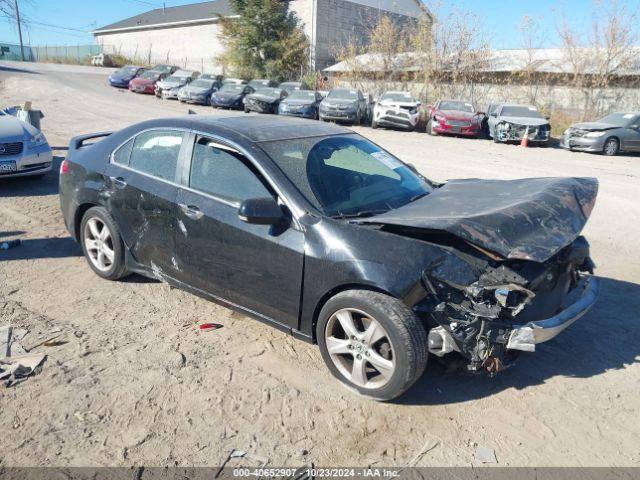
x=596, y=60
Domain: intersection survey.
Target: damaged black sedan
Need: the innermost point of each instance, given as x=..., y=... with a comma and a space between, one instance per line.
x=321, y=233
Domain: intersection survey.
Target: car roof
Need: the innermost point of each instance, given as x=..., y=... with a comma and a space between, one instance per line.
x=255, y=128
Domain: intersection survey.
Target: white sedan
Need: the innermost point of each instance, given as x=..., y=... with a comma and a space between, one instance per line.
x=23, y=149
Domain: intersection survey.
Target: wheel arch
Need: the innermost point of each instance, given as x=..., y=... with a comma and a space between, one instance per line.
x=335, y=291
x=77, y=219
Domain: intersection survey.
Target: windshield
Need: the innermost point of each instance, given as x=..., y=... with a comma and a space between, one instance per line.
x=175, y=79
x=259, y=83
x=458, y=106
x=202, y=83
x=208, y=76
x=618, y=119
x=128, y=70
x=343, y=94
x=302, y=95
x=162, y=68
x=516, y=111
x=270, y=92
x=232, y=87
x=397, y=97
x=346, y=175
x=150, y=75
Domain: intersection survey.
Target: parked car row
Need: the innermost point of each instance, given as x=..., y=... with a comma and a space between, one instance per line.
x=502, y=122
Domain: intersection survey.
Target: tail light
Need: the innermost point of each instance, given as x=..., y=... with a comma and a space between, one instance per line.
x=64, y=167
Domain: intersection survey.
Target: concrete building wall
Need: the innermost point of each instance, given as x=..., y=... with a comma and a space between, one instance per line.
x=339, y=22
x=194, y=47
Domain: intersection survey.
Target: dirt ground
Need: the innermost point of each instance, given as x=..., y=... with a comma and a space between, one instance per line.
x=138, y=384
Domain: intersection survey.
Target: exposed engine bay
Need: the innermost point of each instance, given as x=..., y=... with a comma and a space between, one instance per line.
x=506, y=132
x=474, y=310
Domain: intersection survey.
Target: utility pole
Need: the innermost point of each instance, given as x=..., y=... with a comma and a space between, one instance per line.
x=19, y=30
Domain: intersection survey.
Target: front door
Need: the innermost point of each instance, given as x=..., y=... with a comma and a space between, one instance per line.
x=142, y=196
x=631, y=139
x=258, y=267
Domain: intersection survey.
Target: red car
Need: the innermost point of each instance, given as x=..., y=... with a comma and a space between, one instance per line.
x=146, y=83
x=455, y=117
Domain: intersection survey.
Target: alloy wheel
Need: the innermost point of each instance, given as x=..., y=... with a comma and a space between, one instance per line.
x=360, y=348
x=611, y=147
x=98, y=243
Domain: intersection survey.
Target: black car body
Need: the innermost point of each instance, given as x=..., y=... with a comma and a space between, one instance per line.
x=231, y=95
x=301, y=103
x=345, y=105
x=323, y=234
x=264, y=100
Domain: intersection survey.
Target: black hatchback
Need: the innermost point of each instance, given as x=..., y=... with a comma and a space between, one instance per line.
x=323, y=234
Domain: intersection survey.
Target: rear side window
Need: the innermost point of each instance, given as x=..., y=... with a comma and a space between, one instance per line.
x=121, y=155
x=224, y=173
x=156, y=153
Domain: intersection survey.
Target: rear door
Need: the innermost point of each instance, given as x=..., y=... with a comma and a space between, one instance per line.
x=142, y=196
x=258, y=267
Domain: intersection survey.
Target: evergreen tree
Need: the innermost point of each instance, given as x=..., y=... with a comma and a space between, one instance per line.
x=266, y=40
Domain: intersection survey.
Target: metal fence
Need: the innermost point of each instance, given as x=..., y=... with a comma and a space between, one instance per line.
x=74, y=53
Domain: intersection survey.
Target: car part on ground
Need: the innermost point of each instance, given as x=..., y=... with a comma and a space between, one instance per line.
x=617, y=132
x=24, y=149
x=231, y=95
x=344, y=105
x=511, y=123
x=264, y=100
x=396, y=110
x=169, y=87
x=323, y=234
x=199, y=91
x=301, y=103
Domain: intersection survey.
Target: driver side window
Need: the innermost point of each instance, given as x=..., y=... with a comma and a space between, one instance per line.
x=224, y=173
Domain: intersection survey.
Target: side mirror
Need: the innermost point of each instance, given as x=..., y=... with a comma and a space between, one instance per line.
x=261, y=211
x=494, y=115
x=418, y=103
x=547, y=117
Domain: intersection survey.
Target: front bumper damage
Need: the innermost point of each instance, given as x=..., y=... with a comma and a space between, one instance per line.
x=508, y=132
x=492, y=311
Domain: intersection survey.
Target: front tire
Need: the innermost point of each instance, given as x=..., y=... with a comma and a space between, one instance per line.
x=372, y=343
x=611, y=147
x=102, y=244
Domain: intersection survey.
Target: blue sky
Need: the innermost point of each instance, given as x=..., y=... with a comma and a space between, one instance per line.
x=67, y=22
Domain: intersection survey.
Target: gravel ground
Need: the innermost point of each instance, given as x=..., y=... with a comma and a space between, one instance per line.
x=138, y=384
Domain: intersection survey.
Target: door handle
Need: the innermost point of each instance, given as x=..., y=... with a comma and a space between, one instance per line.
x=118, y=182
x=191, y=211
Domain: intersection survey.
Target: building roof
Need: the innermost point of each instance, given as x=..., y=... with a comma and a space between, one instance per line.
x=192, y=13
x=543, y=60
x=208, y=11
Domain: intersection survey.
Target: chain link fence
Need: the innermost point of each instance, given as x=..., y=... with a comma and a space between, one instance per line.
x=47, y=53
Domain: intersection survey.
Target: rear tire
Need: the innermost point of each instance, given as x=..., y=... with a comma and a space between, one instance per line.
x=102, y=244
x=611, y=147
x=381, y=362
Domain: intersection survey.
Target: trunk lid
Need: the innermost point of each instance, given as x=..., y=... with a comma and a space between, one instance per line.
x=529, y=219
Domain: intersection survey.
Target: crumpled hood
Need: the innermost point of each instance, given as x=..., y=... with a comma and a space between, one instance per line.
x=528, y=121
x=594, y=126
x=398, y=104
x=12, y=129
x=263, y=98
x=529, y=219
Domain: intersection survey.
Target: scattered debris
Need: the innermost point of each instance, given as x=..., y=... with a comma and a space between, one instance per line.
x=262, y=461
x=10, y=244
x=426, y=448
x=14, y=370
x=210, y=326
x=486, y=455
